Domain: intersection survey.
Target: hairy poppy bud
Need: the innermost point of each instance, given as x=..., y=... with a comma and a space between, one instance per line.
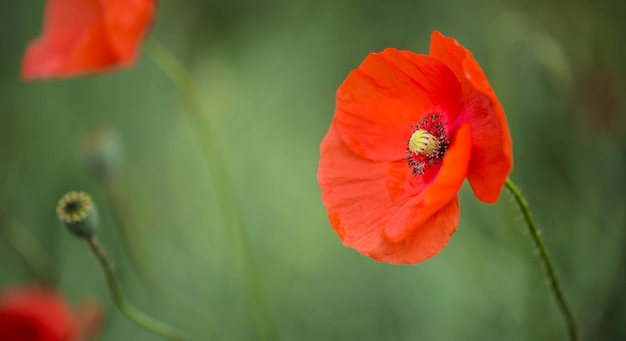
x=78, y=214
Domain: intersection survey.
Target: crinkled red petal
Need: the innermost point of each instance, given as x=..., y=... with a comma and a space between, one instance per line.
x=127, y=22
x=425, y=242
x=363, y=197
x=435, y=195
x=36, y=312
x=492, y=157
x=73, y=41
x=390, y=92
x=87, y=36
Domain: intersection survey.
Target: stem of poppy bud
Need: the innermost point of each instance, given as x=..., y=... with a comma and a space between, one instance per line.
x=178, y=304
x=101, y=151
x=131, y=312
x=553, y=278
x=230, y=206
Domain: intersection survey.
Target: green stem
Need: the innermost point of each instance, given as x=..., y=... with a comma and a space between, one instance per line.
x=119, y=211
x=228, y=201
x=179, y=306
x=132, y=313
x=553, y=278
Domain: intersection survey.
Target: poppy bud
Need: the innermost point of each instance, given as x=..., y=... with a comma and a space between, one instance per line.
x=100, y=149
x=78, y=214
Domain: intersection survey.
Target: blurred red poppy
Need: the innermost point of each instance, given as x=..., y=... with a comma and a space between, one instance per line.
x=32, y=313
x=87, y=36
x=408, y=130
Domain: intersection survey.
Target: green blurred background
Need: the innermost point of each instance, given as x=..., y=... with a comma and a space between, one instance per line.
x=267, y=73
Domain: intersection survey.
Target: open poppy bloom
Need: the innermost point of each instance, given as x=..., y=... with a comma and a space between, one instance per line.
x=33, y=313
x=87, y=36
x=408, y=130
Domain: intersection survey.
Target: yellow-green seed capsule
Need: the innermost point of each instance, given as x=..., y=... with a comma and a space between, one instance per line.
x=423, y=143
x=78, y=214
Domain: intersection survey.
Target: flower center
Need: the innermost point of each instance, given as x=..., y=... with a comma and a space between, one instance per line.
x=423, y=143
x=428, y=143
x=74, y=207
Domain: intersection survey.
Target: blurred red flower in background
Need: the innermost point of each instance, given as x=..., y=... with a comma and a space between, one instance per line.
x=87, y=36
x=30, y=313
x=408, y=130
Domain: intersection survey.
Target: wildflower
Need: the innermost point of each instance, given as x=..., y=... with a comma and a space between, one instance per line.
x=33, y=313
x=87, y=36
x=408, y=130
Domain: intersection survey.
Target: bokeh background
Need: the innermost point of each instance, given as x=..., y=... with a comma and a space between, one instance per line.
x=267, y=73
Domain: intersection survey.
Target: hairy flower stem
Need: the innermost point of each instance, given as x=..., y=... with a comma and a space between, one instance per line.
x=228, y=201
x=553, y=278
x=132, y=313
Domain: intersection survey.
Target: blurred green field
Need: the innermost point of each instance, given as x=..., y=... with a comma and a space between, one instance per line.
x=267, y=73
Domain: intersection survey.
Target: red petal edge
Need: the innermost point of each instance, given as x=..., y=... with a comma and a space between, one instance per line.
x=127, y=22
x=72, y=41
x=356, y=194
x=436, y=195
x=492, y=157
x=39, y=309
x=391, y=91
x=87, y=36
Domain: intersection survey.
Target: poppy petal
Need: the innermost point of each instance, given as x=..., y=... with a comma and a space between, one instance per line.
x=360, y=203
x=87, y=36
x=437, y=194
x=36, y=313
x=423, y=243
x=492, y=157
x=353, y=189
x=491, y=161
x=127, y=21
x=73, y=39
x=90, y=319
x=389, y=93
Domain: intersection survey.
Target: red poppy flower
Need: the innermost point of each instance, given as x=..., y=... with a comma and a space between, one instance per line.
x=408, y=130
x=32, y=313
x=87, y=36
